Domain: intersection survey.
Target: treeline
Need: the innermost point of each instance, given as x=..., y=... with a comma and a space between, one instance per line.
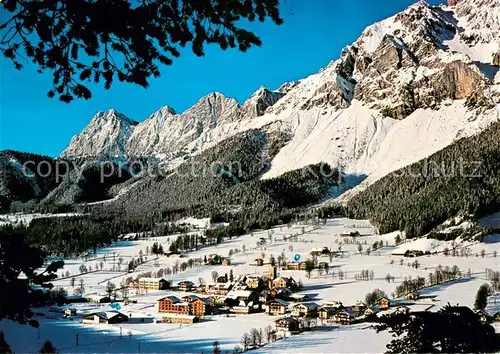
x=49, y=185
x=225, y=180
x=222, y=183
x=440, y=275
x=462, y=179
x=23, y=181
x=67, y=236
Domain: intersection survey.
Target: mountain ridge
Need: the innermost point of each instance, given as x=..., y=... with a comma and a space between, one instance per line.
x=366, y=112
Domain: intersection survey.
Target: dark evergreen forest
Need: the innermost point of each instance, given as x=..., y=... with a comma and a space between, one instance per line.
x=462, y=179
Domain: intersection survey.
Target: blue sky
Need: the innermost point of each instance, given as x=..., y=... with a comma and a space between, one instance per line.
x=314, y=33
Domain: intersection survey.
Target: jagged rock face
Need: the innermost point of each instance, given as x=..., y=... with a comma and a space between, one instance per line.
x=166, y=133
x=180, y=130
x=398, y=66
x=331, y=94
x=287, y=86
x=257, y=105
x=479, y=20
x=106, y=134
x=408, y=70
x=420, y=58
x=456, y=81
x=147, y=134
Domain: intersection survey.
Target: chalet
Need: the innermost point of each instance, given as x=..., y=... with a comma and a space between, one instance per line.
x=226, y=261
x=299, y=297
x=70, y=311
x=190, y=298
x=184, y=319
x=153, y=284
x=98, y=298
x=402, y=309
x=107, y=317
x=371, y=311
x=345, y=316
x=222, y=279
x=172, y=304
x=323, y=265
x=65, y=310
x=317, y=252
x=296, y=266
x=259, y=262
x=326, y=312
x=384, y=303
x=245, y=295
x=413, y=253
x=351, y=234
x=220, y=301
x=287, y=325
x=276, y=307
x=215, y=259
x=283, y=282
x=305, y=309
x=254, y=282
x=186, y=285
x=219, y=288
x=241, y=310
x=281, y=293
x=200, y=307
x=414, y=295
x=359, y=306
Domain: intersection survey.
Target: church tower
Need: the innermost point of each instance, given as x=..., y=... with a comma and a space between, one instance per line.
x=273, y=273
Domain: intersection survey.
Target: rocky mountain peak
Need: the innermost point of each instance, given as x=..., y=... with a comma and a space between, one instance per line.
x=423, y=57
x=167, y=110
x=213, y=109
x=106, y=134
x=112, y=114
x=259, y=102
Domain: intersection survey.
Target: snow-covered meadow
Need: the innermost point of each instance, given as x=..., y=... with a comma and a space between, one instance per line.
x=143, y=334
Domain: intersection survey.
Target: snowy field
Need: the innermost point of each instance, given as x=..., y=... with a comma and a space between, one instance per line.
x=143, y=334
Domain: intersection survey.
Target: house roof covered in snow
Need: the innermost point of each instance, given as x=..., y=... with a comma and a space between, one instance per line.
x=309, y=305
x=234, y=294
x=279, y=301
x=172, y=298
x=107, y=315
x=152, y=280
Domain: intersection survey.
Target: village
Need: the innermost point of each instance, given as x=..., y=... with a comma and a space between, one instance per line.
x=272, y=294
x=260, y=288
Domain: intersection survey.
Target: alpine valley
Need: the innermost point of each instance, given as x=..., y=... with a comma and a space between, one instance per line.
x=420, y=86
x=354, y=211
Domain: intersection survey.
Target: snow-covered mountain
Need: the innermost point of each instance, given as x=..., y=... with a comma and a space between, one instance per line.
x=107, y=134
x=408, y=87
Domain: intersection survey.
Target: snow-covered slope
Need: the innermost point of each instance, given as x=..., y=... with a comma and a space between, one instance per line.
x=408, y=87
